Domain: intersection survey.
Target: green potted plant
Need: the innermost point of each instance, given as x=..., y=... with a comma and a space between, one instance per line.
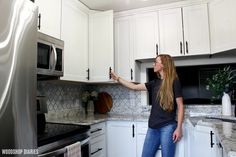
x=88, y=98
x=221, y=82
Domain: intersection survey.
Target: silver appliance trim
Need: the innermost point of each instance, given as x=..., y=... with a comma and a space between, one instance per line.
x=54, y=43
x=62, y=150
x=18, y=39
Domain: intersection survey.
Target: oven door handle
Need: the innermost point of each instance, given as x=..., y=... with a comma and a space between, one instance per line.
x=61, y=150
x=53, y=153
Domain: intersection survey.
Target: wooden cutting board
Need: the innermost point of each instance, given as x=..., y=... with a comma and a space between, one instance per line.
x=104, y=103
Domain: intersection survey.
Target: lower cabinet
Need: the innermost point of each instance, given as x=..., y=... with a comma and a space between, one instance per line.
x=141, y=134
x=205, y=142
x=126, y=139
x=98, y=140
x=121, y=139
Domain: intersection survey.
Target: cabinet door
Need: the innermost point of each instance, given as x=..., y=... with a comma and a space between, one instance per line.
x=124, y=60
x=141, y=134
x=146, y=35
x=101, y=53
x=75, y=35
x=50, y=17
x=204, y=141
x=121, y=139
x=189, y=139
x=222, y=15
x=196, y=30
x=171, y=32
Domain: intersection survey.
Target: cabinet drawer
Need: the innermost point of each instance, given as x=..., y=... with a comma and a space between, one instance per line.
x=142, y=127
x=97, y=129
x=98, y=146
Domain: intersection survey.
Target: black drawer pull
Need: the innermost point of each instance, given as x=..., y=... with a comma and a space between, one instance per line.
x=131, y=71
x=88, y=77
x=95, y=131
x=39, y=24
x=133, y=134
x=110, y=72
x=212, y=143
x=99, y=149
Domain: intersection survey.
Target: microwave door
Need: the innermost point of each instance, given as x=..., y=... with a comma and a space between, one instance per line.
x=53, y=58
x=43, y=56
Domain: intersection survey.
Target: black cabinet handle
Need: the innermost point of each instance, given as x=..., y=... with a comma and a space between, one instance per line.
x=133, y=130
x=110, y=72
x=211, y=135
x=39, y=25
x=156, y=49
x=131, y=70
x=186, y=47
x=99, y=149
x=181, y=47
x=88, y=74
x=95, y=131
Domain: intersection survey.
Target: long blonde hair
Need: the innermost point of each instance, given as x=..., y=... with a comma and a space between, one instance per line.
x=165, y=93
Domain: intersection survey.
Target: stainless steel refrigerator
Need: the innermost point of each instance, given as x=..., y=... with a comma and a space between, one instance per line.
x=18, y=39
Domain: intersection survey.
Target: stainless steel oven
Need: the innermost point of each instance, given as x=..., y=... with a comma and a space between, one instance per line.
x=53, y=142
x=50, y=55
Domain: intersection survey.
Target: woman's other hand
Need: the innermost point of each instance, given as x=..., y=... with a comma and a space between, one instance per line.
x=177, y=135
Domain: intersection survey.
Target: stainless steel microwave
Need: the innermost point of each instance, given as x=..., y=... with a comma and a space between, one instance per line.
x=50, y=55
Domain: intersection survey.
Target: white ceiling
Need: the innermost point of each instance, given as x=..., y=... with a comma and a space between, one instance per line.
x=121, y=5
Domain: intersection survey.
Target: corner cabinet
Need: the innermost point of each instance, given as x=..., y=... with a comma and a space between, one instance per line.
x=121, y=139
x=184, y=31
x=222, y=15
x=101, y=52
x=88, y=37
x=50, y=17
x=75, y=35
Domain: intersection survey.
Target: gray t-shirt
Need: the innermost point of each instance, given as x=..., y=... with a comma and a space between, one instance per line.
x=159, y=117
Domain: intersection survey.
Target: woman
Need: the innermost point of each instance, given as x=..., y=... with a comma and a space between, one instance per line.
x=166, y=92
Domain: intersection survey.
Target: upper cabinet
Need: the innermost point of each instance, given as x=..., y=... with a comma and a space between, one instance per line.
x=75, y=35
x=124, y=56
x=50, y=17
x=184, y=31
x=222, y=15
x=88, y=38
x=146, y=35
x=101, y=52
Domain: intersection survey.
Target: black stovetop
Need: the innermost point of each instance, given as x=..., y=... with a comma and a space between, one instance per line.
x=56, y=131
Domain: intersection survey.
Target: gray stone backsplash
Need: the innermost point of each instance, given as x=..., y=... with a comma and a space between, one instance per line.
x=63, y=95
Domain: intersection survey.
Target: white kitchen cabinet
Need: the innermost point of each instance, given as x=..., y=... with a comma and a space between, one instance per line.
x=75, y=35
x=98, y=140
x=184, y=31
x=121, y=139
x=124, y=54
x=205, y=141
x=101, y=53
x=222, y=15
x=146, y=35
x=189, y=136
x=141, y=134
x=50, y=17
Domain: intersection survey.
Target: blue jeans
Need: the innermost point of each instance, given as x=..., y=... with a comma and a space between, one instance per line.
x=160, y=137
